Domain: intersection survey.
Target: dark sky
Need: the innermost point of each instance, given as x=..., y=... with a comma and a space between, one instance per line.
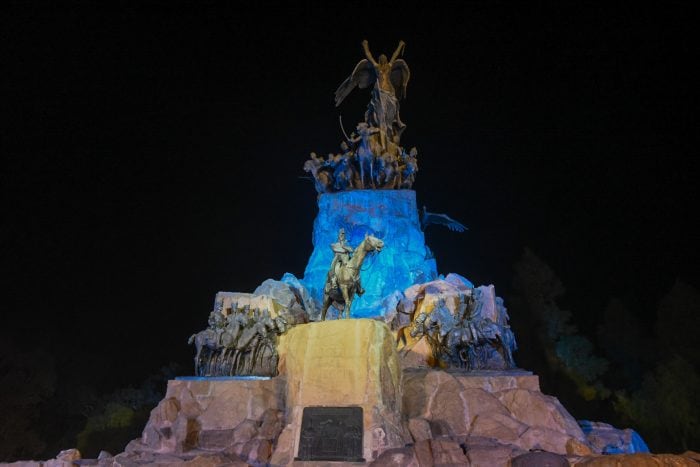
x=152, y=155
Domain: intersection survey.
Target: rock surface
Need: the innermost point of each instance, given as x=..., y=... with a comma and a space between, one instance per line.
x=523, y=418
x=390, y=215
x=637, y=460
x=610, y=440
x=345, y=363
x=419, y=417
x=215, y=415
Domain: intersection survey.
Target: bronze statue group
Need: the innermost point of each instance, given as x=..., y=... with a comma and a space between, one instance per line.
x=371, y=157
x=241, y=341
x=363, y=165
x=469, y=338
x=238, y=341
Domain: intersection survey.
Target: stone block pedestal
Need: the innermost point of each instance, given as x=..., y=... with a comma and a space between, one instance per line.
x=344, y=363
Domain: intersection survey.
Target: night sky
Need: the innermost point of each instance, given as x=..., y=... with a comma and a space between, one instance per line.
x=152, y=156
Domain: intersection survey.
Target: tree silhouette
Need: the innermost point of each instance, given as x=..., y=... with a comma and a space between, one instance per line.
x=666, y=409
x=538, y=289
x=27, y=379
x=620, y=336
x=678, y=323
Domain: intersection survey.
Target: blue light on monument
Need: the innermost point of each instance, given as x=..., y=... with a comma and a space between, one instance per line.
x=390, y=215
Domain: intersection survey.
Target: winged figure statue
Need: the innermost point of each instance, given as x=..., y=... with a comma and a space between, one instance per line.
x=428, y=218
x=390, y=78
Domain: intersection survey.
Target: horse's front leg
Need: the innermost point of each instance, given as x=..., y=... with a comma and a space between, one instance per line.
x=326, y=304
x=197, y=366
x=347, y=296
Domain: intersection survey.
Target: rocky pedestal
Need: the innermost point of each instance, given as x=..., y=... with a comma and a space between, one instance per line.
x=414, y=416
x=390, y=215
x=238, y=418
x=340, y=364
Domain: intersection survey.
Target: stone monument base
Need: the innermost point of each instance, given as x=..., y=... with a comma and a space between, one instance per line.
x=414, y=416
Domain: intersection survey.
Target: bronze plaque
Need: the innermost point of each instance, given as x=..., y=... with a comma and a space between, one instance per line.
x=331, y=434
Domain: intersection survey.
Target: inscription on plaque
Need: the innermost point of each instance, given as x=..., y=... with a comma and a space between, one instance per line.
x=331, y=434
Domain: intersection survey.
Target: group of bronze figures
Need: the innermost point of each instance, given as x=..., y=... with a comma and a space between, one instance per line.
x=371, y=156
x=242, y=342
x=361, y=166
x=467, y=338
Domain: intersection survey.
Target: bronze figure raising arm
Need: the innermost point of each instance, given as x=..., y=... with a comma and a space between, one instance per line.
x=402, y=44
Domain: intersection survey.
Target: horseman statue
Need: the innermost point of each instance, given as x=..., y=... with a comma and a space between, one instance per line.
x=342, y=253
x=343, y=280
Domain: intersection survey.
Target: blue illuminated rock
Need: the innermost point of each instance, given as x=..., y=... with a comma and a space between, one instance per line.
x=390, y=215
x=610, y=440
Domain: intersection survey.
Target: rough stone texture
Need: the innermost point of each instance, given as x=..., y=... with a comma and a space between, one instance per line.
x=456, y=406
x=537, y=437
x=447, y=452
x=416, y=353
x=104, y=455
x=607, y=439
x=345, y=363
x=423, y=452
x=489, y=452
x=576, y=448
x=420, y=429
x=283, y=453
x=390, y=215
x=397, y=457
x=638, y=460
x=69, y=455
x=495, y=381
x=540, y=459
x=304, y=297
x=439, y=418
x=214, y=415
x=498, y=426
x=538, y=410
x=424, y=296
x=438, y=396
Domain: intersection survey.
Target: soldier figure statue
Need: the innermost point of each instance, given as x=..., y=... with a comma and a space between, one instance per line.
x=343, y=252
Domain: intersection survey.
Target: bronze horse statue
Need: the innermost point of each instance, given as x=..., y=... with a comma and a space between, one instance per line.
x=348, y=278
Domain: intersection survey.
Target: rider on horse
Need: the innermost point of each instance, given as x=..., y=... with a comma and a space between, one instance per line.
x=342, y=252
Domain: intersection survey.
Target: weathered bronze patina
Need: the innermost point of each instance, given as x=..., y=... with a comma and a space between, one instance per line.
x=343, y=280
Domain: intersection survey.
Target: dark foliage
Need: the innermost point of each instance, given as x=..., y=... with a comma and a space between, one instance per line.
x=652, y=375
x=27, y=379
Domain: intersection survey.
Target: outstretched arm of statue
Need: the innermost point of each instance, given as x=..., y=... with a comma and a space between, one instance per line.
x=368, y=54
x=401, y=46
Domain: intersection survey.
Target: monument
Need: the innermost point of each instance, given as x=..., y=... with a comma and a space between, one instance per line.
x=371, y=356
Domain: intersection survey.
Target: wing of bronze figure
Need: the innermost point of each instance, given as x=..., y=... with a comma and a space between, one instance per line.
x=440, y=219
x=362, y=76
x=400, y=75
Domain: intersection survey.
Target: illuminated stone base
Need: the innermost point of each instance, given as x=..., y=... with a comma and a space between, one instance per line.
x=415, y=416
x=339, y=364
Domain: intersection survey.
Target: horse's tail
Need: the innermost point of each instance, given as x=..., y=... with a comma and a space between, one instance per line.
x=191, y=339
